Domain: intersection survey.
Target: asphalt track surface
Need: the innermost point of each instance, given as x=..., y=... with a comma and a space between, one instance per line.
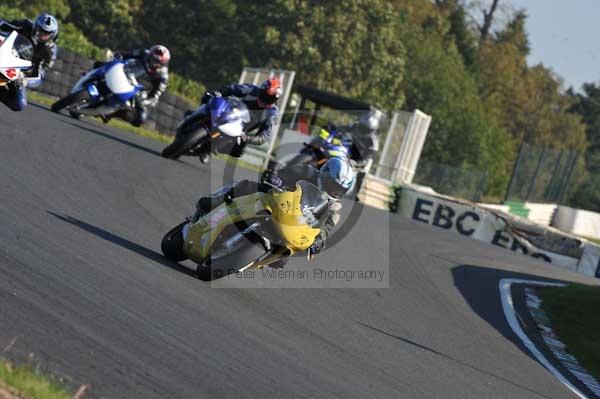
x=83, y=288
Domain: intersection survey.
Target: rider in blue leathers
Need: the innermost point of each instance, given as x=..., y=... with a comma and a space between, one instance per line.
x=43, y=33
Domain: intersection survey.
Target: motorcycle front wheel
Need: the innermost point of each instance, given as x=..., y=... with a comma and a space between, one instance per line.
x=231, y=260
x=70, y=99
x=183, y=143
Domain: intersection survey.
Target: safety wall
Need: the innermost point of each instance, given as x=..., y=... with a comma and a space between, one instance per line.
x=70, y=66
x=577, y=221
x=500, y=229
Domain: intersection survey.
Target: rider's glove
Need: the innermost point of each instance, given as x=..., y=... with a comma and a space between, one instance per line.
x=317, y=246
x=271, y=178
x=21, y=80
x=149, y=102
x=207, y=96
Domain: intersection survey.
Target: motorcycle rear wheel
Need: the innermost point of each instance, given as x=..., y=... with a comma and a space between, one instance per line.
x=172, y=244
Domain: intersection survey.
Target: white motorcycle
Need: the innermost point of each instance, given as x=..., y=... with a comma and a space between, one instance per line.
x=16, y=53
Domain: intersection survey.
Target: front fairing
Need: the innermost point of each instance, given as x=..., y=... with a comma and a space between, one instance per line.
x=228, y=115
x=297, y=214
x=16, y=53
x=202, y=234
x=292, y=216
x=119, y=81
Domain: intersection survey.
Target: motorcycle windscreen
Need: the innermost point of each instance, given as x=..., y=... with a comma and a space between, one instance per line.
x=117, y=82
x=16, y=51
x=226, y=114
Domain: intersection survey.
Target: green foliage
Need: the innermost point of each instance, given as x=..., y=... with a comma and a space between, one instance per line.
x=587, y=105
x=313, y=39
x=461, y=133
x=109, y=23
x=59, y=8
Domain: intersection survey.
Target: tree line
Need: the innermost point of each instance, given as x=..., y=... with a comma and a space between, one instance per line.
x=461, y=61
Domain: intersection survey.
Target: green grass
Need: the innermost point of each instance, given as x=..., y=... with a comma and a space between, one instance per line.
x=574, y=313
x=31, y=384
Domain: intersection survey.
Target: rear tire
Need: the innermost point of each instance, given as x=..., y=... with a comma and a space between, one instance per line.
x=183, y=143
x=172, y=244
x=70, y=99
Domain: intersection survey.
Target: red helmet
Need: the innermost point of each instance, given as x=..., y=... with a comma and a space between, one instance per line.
x=270, y=91
x=158, y=56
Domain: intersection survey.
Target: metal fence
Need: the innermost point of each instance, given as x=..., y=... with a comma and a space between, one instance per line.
x=454, y=181
x=541, y=174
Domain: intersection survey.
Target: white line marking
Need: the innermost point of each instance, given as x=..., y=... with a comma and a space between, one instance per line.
x=511, y=318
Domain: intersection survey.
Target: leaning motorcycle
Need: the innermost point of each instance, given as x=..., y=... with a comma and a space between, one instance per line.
x=249, y=232
x=327, y=144
x=102, y=91
x=214, y=127
x=16, y=52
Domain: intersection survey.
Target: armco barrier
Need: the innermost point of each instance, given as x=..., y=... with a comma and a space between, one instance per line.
x=70, y=66
x=500, y=229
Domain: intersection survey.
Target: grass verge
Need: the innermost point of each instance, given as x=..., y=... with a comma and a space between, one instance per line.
x=574, y=312
x=29, y=383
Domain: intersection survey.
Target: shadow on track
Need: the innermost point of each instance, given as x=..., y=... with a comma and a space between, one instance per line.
x=115, y=239
x=111, y=137
x=450, y=358
x=92, y=129
x=40, y=106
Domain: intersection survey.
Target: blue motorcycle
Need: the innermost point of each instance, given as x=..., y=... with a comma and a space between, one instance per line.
x=101, y=91
x=214, y=127
x=329, y=143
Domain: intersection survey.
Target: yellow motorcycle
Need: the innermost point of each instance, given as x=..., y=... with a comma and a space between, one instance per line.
x=250, y=232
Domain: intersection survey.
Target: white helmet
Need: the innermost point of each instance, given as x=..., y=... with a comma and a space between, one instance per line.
x=371, y=120
x=337, y=177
